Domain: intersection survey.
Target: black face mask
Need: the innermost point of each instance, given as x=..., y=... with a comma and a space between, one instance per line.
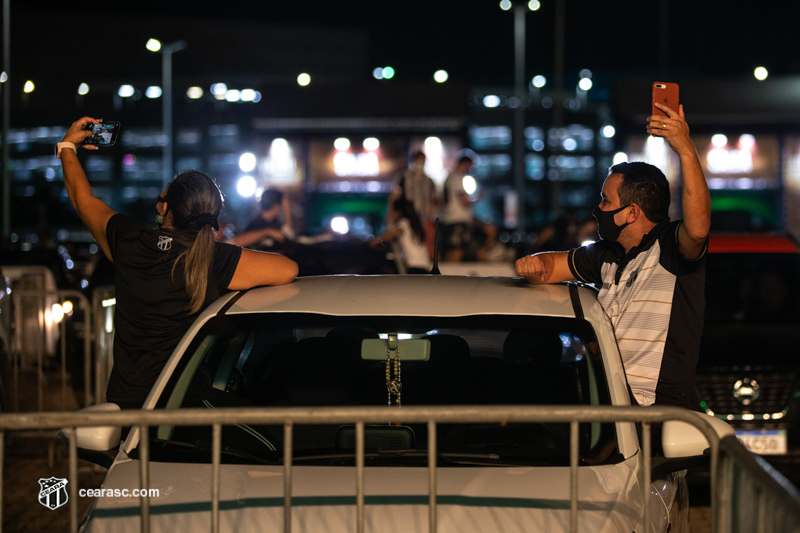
x=606, y=227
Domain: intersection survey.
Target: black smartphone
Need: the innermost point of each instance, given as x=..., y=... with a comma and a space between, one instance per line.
x=103, y=134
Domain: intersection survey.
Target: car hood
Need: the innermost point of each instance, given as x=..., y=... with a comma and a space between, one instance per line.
x=396, y=499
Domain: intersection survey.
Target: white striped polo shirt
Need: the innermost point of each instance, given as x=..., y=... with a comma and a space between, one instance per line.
x=655, y=300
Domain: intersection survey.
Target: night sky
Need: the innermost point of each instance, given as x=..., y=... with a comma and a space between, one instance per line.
x=473, y=39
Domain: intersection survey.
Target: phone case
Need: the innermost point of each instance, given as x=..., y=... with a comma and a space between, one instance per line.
x=664, y=93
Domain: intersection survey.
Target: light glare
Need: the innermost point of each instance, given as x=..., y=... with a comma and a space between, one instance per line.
x=469, y=184
x=3, y=77
x=247, y=162
x=760, y=73
x=388, y=73
x=539, y=81
x=585, y=84
x=303, y=79
x=440, y=76
x=246, y=186
x=83, y=89
x=534, y=5
x=620, y=157
x=194, y=93
x=153, y=92
x=29, y=86
x=125, y=91
x=377, y=73
x=505, y=5
x=341, y=144
x=339, y=225
x=57, y=313
x=154, y=45
x=491, y=100
x=248, y=95
x=371, y=143
x=719, y=140
x=609, y=131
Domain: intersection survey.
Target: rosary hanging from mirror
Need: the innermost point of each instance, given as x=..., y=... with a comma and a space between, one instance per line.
x=394, y=384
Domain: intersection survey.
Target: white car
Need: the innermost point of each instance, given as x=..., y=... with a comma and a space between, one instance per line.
x=324, y=341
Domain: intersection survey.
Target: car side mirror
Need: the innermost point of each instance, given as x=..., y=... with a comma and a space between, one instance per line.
x=95, y=443
x=682, y=439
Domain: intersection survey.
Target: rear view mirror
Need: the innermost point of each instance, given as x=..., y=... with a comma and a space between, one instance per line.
x=408, y=349
x=681, y=439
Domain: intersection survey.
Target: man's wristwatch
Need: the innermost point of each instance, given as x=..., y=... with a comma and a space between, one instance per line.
x=60, y=146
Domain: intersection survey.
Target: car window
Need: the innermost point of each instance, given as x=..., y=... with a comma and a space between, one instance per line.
x=281, y=360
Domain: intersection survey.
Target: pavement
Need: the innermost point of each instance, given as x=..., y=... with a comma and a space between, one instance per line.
x=40, y=454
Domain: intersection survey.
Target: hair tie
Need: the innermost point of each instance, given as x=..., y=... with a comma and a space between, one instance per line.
x=202, y=219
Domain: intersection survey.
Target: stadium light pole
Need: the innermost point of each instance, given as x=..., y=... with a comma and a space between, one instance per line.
x=166, y=104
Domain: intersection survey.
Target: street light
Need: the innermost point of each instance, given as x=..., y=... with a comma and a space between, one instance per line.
x=166, y=50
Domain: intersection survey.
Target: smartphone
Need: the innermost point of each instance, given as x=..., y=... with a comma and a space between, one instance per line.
x=103, y=134
x=664, y=93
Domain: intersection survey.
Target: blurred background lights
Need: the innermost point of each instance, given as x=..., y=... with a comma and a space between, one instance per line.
x=153, y=92
x=129, y=160
x=67, y=307
x=154, y=45
x=29, y=86
x=620, y=157
x=339, y=225
x=246, y=186
x=491, y=100
x=371, y=143
x=3, y=77
x=248, y=95
x=247, y=162
x=440, y=76
x=377, y=73
x=342, y=143
x=585, y=73
x=505, y=5
x=303, y=79
x=469, y=184
x=719, y=140
x=388, y=73
x=747, y=141
x=57, y=313
x=194, y=93
x=233, y=95
x=534, y=5
x=585, y=84
x=608, y=131
x=125, y=91
x=83, y=89
x=219, y=90
x=760, y=73
x=539, y=81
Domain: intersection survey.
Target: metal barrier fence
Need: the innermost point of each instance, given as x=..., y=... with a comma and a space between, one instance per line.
x=740, y=485
x=37, y=315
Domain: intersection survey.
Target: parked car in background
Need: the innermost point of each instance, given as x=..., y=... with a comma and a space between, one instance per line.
x=749, y=369
x=394, y=342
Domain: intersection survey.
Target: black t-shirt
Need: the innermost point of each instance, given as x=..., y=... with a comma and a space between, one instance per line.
x=655, y=299
x=260, y=223
x=151, y=313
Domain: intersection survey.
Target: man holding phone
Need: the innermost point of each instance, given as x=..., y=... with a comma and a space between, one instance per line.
x=651, y=270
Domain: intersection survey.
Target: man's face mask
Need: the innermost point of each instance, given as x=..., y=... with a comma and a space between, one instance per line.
x=606, y=227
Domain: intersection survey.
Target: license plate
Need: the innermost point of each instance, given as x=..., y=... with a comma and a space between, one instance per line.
x=763, y=441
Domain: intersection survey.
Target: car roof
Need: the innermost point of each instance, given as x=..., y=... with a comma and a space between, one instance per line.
x=751, y=243
x=409, y=295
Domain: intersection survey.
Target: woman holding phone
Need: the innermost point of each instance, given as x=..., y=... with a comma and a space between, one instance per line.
x=164, y=276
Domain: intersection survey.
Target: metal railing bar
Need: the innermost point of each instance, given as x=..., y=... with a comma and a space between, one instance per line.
x=647, y=450
x=144, y=478
x=347, y=415
x=360, y=477
x=216, y=455
x=287, y=476
x=432, y=484
x=573, y=476
x=73, y=486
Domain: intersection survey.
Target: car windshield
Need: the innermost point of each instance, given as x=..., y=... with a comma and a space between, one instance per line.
x=281, y=360
x=752, y=309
